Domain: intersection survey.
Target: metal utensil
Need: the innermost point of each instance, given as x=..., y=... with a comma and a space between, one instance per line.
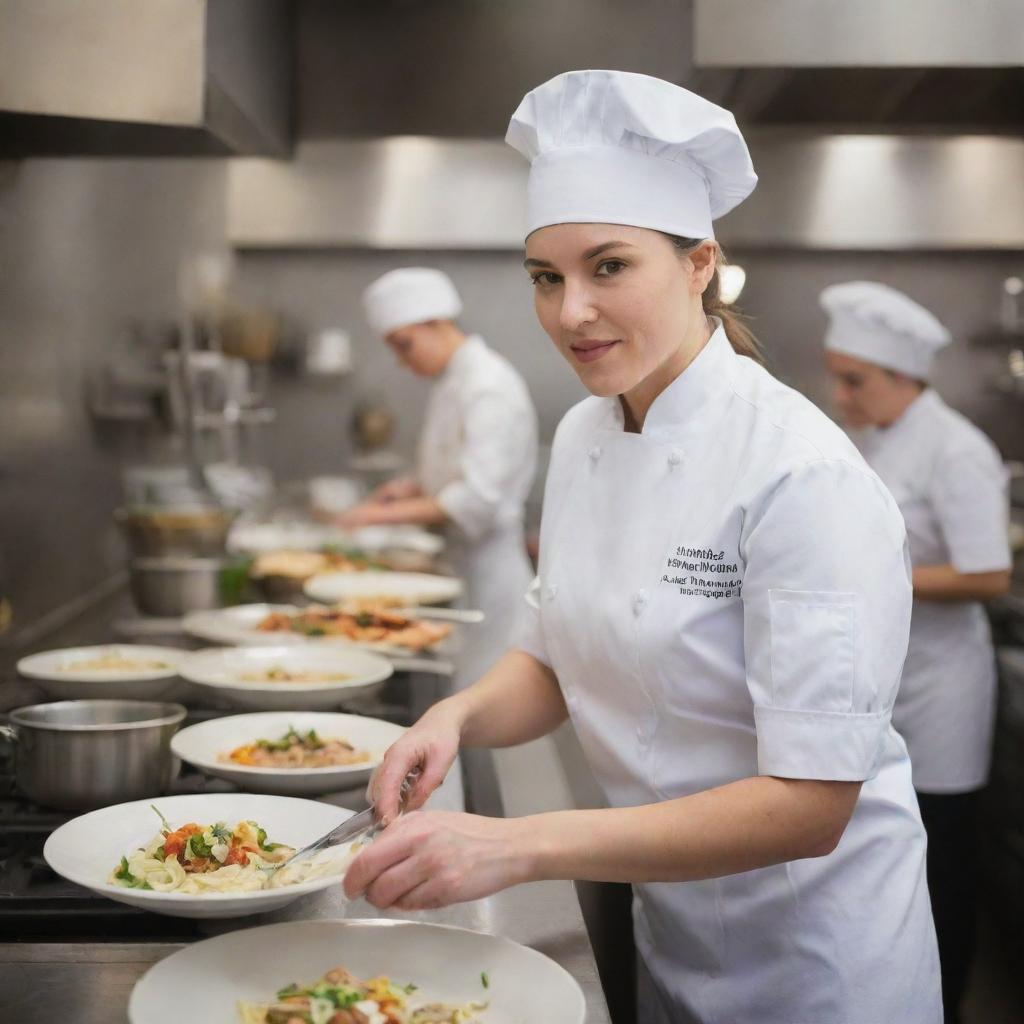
x=463, y=615
x=365, y=826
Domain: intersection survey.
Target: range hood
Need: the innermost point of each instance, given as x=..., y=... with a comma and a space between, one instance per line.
x=130, y=78
x=936, y=66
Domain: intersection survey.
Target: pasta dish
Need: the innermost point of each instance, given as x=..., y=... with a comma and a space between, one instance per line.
x=296, y=750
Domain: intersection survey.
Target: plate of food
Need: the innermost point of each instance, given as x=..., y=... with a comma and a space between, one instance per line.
x=287, y=677
x=397, y=588
x=210, y=855
x=136, y=671
x=372, y=627
x=384, y=971
x=292, y=753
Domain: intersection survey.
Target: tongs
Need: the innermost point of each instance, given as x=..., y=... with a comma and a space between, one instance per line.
x=364, y=826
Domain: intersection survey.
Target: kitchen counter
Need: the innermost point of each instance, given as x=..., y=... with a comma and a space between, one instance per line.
x=89, y=982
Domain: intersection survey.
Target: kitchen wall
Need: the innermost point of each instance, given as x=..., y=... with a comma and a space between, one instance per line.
x=85, y=246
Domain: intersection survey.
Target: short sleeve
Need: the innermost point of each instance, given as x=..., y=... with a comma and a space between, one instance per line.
x=530, y=637
x=826, y=600
x=496, y=451
x=971, y=504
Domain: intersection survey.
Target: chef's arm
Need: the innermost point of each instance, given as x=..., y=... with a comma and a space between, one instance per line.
x=944, y=583
x=738, y=827
x=424, y=511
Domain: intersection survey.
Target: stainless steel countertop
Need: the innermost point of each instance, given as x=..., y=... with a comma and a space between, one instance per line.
x=90, y=982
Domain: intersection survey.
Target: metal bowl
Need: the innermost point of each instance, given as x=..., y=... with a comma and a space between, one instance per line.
x=170, y=587
x=80, y=754
x=160, y=532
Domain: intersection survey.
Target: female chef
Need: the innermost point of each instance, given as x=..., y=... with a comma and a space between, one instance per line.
x=721, y=608
x=950, y=485
x=477, y=452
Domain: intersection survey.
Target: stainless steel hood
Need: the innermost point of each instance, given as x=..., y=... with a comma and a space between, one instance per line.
x=160, y=77
x=872, y=65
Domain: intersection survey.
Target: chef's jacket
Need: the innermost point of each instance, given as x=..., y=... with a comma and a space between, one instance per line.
x=951, y=487
x=722, y=595
x=477, y=457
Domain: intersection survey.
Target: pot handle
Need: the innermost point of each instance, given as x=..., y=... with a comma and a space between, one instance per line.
x=8, y=741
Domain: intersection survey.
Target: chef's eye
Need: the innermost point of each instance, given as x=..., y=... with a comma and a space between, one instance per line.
x=610, y=267
x=545, y=277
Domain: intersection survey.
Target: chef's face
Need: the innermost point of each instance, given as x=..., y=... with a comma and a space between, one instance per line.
x=420, y=348
x=618, y=302
x=865, y=394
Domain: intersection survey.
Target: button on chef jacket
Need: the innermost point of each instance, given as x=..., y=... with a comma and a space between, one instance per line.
x=950, y=485
x=477, y=457
x=723, y=595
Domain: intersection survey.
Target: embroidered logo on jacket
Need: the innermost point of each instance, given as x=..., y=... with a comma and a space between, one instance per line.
x=703, y=572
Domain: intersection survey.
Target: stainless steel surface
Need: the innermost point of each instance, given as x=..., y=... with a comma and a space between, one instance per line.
x=77, y=755
x=839, y=192
x=467, y=616
x=201, y=76
x=869, y=33
x=169, y=587
x=91, y=983
x=160, y=532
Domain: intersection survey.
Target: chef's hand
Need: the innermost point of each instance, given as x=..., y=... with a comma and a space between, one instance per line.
x=396, y=490
x=366, y=514
x=432, y=745
x=430, y=859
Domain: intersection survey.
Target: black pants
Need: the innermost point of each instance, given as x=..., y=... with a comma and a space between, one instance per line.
x=951, y=822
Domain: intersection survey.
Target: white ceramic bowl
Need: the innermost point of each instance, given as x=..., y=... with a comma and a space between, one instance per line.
x=49, y=669
x=410, y=588
x=202, y=744
x=445, y=963
x=222, y=668
x=86, y=849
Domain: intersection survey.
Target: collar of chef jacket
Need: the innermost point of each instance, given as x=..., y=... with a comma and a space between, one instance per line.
x=462, y=358
x=687, y=405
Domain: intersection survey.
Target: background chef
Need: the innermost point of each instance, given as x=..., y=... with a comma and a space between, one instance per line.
x=950, y=485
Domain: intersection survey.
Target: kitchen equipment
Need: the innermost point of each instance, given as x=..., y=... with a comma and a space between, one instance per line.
x=91, y=753
x=134, y=671
x=205, y=743
x=175, y=585
x=227, y=672
x=453, y=965
x=88, y=848
x=408, y=588
x=199, y=531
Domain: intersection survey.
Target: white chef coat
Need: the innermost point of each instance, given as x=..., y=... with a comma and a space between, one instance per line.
x=723, y=595
x=477, y=458
x=951, y=487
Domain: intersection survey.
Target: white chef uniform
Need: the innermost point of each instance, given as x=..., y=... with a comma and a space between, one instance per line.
x=722, y=595
x=950, y=485
x=477, y=456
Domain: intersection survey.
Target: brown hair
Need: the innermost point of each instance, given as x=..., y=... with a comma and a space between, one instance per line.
x=740, y=336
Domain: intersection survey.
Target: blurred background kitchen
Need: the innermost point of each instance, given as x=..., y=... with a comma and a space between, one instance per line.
x=227, y=176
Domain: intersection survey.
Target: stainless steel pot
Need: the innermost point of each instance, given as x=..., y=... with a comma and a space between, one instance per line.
x=169, y=587
x=81, y=754
x=160, y=532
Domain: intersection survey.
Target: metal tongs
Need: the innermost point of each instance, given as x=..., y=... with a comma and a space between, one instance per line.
x=364, y=826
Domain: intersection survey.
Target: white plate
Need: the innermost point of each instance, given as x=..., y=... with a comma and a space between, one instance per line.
x=48, y=669
x=202, y=744
x=221, y=668
x=410, y=588
x=525, y=987
x=88, y=848
x=237, y=625
x=257, y=538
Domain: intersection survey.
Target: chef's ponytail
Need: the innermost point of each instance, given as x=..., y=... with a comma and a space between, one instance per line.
x=733, y=321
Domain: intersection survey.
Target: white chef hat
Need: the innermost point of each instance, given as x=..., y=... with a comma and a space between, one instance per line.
x=881, y=325
x=611, y=147
x=410, y=295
